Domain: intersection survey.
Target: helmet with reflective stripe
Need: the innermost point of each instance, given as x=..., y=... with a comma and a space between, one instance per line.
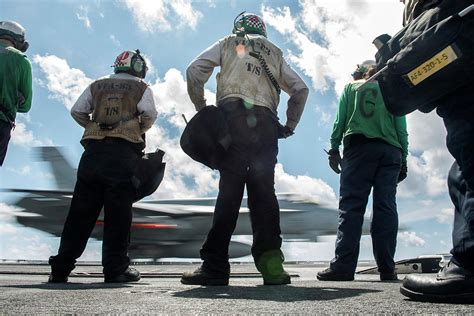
x=249, y=23
x=131, y=62
x=15, y=33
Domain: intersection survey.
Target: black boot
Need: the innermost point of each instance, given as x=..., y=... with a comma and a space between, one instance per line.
x=129, y=275
x=388, y=276
x=331, y=275
x=202, y=276
x=452, y=284
x=55, y=278
x=60, y=269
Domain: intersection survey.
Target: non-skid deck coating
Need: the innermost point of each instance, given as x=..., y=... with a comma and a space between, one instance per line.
x=23, y=290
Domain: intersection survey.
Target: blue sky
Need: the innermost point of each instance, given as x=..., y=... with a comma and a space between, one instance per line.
x=73, y=42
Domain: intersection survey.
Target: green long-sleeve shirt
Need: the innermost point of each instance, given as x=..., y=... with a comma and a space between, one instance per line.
x=364, y=112
x=15, y=83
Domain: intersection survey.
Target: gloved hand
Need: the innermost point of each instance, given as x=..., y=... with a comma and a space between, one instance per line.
x=334, y=160
x=21, y=98
x=284, y=131
x=403, y=172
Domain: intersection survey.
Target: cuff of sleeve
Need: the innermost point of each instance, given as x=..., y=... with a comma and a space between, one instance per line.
x=334, y=145
x=200, y=105
x=291, y=124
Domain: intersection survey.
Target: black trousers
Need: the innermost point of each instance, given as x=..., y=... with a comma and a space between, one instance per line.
x=370, y=164
x=250, y=161
x=103, y=181
x=5, y=134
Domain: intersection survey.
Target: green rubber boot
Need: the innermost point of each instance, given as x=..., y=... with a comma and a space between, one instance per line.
x=270, y=265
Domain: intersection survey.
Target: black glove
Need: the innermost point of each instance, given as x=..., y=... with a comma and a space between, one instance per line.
x=403, y=172
x=284, y=131
x=334, y=160
x=21, y=98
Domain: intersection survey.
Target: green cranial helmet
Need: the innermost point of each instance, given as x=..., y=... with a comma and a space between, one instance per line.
x=131, y=62
x=15, y=33
x=362, y=69
x=249, y=23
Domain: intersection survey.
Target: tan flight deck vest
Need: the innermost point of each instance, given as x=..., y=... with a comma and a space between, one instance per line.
x=243, y=76
x=114, y=103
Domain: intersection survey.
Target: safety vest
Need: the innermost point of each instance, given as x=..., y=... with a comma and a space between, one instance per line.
x=115, y=113
x=242, y=74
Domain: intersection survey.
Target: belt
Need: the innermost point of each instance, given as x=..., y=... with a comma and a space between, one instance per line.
x=9, y=121
x=94, y=145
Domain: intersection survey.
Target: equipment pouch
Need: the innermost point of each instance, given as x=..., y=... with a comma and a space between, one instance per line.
x=206, y=137
x=148, y=174
x=439, y=60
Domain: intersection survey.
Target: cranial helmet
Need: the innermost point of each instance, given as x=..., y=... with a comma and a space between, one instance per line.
x=362, y=68
x=15, y=33
x=132, y=63
x=249, y=23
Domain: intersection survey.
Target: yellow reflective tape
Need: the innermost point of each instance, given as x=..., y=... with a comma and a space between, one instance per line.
x=432, y=65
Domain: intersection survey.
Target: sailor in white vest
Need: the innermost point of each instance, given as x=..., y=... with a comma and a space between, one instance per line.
x=115, y=112
x=252, y=74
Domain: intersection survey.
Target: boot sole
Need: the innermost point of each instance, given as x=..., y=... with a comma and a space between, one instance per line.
x=121, y=280
x=210, y=282
x=58, y=282
x=335, y=278
x=434, y=298
x=279, y=282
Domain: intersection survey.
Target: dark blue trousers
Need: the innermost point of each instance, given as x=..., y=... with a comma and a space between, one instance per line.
x=5, y=134
x=249, y=162
x=103, y=181
x=369, y=164
x=460, y=142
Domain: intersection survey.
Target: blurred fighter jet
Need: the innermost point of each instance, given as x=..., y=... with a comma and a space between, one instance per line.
x=170, y=228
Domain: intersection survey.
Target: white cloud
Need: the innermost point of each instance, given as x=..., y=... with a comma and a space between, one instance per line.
x=7, y=228
x=186, y=13
x=114, y=40
x=6, y=213
x=83, y=15
x=23, y=137
x=212, y=3
x=324, y=117
x=172, y=98
x=331, y=37
x=429, y=162
x=411, y=239
x=183, y=176
x=441, y=211
x=426, y=174
x=27, y=248
x=23, y=171
x=163, y=15
x=64, y=83
x=446, y=216
x=426, y=131
x=317, y=189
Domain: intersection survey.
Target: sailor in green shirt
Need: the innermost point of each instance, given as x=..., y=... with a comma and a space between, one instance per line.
x=375, y=149
x=15, y=80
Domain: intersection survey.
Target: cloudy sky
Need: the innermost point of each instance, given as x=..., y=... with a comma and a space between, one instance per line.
x=74, y=42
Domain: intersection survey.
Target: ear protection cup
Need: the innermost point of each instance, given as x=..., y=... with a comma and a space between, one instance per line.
x=24, y=46
x=138, y=64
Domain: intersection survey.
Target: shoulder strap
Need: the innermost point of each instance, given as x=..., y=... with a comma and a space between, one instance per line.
x=262, y=61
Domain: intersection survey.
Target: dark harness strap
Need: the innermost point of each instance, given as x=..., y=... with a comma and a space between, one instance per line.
x=264, y=65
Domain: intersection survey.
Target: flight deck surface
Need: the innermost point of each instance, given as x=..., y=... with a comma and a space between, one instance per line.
x=23, y=290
